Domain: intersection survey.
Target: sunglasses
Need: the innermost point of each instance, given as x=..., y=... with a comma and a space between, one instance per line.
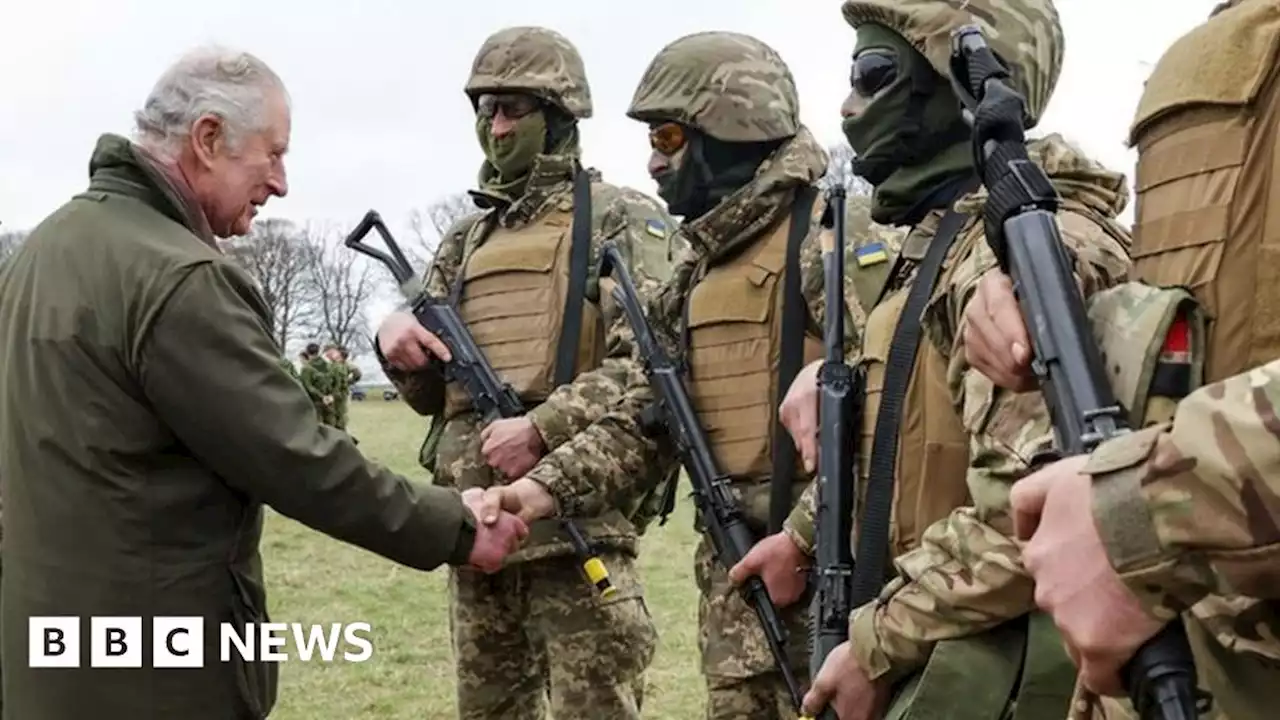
x=513, y=106
x=873, y=71
x=667, y=138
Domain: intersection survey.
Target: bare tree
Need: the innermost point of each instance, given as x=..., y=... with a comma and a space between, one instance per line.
x=9, y=242
x=429, y=226
x=840, y=172
x=277, y=255
x=858, y=222
x=340, y=285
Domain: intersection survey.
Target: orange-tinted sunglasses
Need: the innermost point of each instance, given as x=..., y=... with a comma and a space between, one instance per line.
x=667, y=138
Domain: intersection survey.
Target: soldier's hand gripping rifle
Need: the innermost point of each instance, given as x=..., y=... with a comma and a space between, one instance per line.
x=1023, y=234
x=724, y=520
x=840, y=394
x=492, y=398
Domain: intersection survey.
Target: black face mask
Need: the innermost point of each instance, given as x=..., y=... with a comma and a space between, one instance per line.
x=709, y=171
x=910, y=113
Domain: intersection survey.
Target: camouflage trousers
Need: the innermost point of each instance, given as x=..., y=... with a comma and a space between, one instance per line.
x=537, y=630
x=742, y=678
x=1244, y=686
x=340, y=412
x=325, y=413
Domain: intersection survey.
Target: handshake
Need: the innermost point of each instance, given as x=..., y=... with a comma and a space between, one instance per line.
x=503, y=514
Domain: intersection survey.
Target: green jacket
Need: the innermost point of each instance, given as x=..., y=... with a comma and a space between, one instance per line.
x=317, y=378
x=145, y=421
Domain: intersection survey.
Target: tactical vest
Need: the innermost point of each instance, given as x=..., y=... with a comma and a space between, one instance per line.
x=734, y=325
x=1207, y=203
x=512, y=299
x=1206, y=133
x=1019, y=667
x=932, y=455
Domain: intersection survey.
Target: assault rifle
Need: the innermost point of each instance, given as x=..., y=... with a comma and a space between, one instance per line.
x=724, y=520
x=493, y=398
x=1023, y=234
x=840, y=394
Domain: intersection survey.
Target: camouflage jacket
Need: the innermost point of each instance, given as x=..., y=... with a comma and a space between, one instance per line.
x=625, y=218
x=614, y=444
x=316, y=378
x=1190, y=510
x=344, y=375
x=966, y=576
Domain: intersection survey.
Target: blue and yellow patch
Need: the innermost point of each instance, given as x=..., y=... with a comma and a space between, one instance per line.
x=871, y=254
x=656, y=228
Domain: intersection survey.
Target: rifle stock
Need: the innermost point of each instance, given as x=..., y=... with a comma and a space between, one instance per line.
x=1022, y=230
x=493, y=398
x=725, y=523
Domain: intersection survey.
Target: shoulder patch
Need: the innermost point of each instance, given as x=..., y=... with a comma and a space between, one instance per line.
x=656, y=228
x=871, y=254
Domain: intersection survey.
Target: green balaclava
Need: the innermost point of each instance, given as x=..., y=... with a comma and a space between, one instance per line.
x=509, y=158
x=911, y=142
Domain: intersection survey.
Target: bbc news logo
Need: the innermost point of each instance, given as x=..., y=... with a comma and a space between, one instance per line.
x=178, y=642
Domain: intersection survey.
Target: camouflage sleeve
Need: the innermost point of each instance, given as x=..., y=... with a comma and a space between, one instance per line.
x=967, y=576
x=609, y=463
x=642, y=232
x=424, y=390
x=312, y=381
x=1192, y=508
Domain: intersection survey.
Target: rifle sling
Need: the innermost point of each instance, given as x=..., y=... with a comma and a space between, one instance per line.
x=873, y=537
x=794, y=318
x=579, y=255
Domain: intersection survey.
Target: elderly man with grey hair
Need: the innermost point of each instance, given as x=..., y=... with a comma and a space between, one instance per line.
x=145, y=422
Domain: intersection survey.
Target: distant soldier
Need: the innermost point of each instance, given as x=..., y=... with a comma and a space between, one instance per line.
x=315, y=376
x=343, y=375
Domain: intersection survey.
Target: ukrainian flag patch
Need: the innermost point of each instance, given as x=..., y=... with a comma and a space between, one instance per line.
x=656, y=228
x=871, y=254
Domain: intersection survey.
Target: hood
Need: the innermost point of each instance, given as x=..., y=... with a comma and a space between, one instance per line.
x=739, y=218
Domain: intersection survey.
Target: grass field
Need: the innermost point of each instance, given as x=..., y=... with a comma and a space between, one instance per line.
x=312, y=578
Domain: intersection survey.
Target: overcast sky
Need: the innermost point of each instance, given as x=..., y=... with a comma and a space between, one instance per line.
x=380, y=119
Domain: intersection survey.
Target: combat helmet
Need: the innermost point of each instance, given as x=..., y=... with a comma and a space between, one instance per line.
x=1025, y=34
x=732, y=87
x=535, y=60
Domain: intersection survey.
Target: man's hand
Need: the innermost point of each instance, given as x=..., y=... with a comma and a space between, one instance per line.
x=498, y=534
x=995, y=338
x=798, y=413
x=512, y=446
x=524, y=498
x=1101, y=621
x=407, y=345
x=779, y=563
x=843, y=685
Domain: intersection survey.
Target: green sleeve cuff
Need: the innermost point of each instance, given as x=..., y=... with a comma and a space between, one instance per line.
x=1119, y=505
x=871, y=653
x=466, y=539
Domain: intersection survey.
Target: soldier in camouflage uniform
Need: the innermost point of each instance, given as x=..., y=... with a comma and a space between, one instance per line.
x=343, y=375
x=1178, y=522
x=537, y=627
x=731, y=156
x=317, y=380
x=940, y=445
